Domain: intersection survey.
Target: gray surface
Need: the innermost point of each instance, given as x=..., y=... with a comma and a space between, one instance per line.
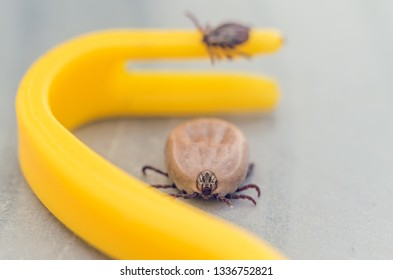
x=324, y=158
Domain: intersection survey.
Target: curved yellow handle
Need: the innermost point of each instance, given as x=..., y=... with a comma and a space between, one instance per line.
x=85, y=79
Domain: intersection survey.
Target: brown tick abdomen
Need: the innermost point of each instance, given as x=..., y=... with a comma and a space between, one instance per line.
x=207, y=144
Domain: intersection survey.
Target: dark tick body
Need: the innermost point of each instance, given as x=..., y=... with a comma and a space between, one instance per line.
x=207, y=158
x=224, y=39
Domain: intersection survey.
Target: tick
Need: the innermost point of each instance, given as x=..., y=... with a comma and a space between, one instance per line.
x=207, y=158
x=224, y=39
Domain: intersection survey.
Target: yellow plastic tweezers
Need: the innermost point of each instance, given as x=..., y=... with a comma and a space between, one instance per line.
x=86, y=79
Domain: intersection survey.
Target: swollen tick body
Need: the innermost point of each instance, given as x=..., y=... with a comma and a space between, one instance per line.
x=207, y=158
x=224, y=39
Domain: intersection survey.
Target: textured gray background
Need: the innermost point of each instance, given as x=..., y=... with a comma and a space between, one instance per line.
x=323, y=159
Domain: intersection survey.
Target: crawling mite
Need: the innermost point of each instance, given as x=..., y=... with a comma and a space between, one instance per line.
x=225, y=38
x=207, y=158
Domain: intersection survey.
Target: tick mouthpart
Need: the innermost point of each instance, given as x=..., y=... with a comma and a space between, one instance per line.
x=206, y=191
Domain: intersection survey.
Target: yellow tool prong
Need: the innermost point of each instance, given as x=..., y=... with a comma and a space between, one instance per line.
x=150, y=44
x=100, y=61
x=191, y=93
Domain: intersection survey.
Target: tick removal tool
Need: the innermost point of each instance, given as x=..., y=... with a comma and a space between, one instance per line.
x=84, y=80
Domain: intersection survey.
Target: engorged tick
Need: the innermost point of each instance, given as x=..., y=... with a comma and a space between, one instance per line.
x=224, y=39
x=207, y=158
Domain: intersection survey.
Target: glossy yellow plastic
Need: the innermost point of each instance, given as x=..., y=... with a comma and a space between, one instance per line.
x=86, y=79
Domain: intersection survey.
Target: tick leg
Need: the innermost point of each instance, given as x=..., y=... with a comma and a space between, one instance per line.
x=148, y=167
x=164, y=186
x=249, y=170
x=184, y=195
x=241, y=196
x=218, y=51
x=211, y=53
x=250, y=186
x=224, y=199
x=238, y=52
x=215, y=53
x=195, y=21
x=226, y=51
x=231, y=50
